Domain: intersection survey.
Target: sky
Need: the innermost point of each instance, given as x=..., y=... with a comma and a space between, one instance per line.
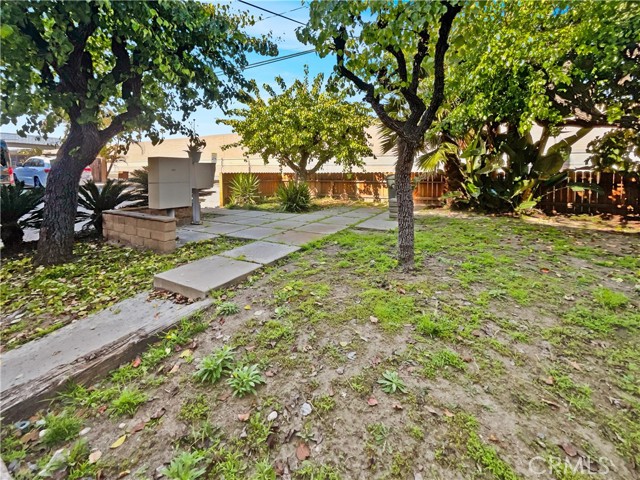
x=283, y=32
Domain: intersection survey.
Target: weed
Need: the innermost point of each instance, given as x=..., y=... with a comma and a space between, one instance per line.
x=195, y=409
x=416, y=432
x=436, y=326
x=311, y=471
x=78, y=461
x=213, y=366
x=264, y=471
x=610, y=299
x=11, y=448
x=127, y=402
x=324, y=404
x=60, y=428
x=379, y=432
x=274, y=331
x=439, y=362
x=392, y=383
x=231, y=467
x=578, y=396
x=185, y=467
x=244, y=380
x=357, y=384
x=227, y=308
x=258, y=430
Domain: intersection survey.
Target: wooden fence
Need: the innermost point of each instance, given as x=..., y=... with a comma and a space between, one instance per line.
x=616, y=195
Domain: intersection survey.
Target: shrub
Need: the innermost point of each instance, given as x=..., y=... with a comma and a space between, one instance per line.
x=227, y=308
x=17, y=202
x=112, y=194
x=245, y=189
x=294, y=197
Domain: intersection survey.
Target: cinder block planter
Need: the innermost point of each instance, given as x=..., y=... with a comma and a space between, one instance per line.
x=140, y=230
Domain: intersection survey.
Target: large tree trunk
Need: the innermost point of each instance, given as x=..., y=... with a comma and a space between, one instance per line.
x=61, y=194
x=404, y=194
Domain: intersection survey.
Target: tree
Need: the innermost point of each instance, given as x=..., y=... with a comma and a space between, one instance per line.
x=302, y=126
x=554, y=64
x=388, y=49
x=150, y=63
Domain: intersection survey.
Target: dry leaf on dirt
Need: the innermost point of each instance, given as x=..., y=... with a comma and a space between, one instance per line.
x=447, y=413
x=95, y=456
x=548, y=380
x=186, y=353
x=397, y=406
x=30, y=437
x=136, y=363
x=569, y=449
x=175, y=368
x=575, y=365
x=118, y=442
x=552, y=404
x=372, y=401
x=303, y=452
x=373, y=319
x=124, y=473
x=138, y=426
x=158, y=414
x=243, y=417
x=269, y=373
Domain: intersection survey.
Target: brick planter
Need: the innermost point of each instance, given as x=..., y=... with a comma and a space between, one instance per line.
x=140, y=230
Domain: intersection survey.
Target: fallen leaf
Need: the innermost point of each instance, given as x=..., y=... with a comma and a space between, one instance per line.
x=569, y=449
x=303, y=452
x=247, y=307
x=279, y=467
x=344, y=344
x=401, y=291
x=124, y=473
x=373, y=319
x=575, y=365
x=397, y=406
x=136, y=363
x=545, y=270
x=138, y=426
x=372, y=401
x=269, y=373
x=493, y=438
x=186, y=353
x=30, y=437
x=102, y=409
x=432, y=411
x=449, y=414
x=158, y=414
x=95, y=456
x=549, y=402
x=548, y=380
x=331, y=392
x=118, y=442
x=224, y=396
x=243, y=417
x=175, y=368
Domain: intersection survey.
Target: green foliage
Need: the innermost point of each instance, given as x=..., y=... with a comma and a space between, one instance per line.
x=324, y=404
x=16, y=211
x=245, y=189
x=195, y=409
x=294, y=197
x=61, y=428
x=440, y=361
x=311, y=471
x=616, y=151
x=213, y=366
x=185, y=467
x=264, y=471
x=139, y=179
x=244, y=380
x=127, y=402
x=227, y=308
x=392, y=383
x=302, y=127
x=610, y=299
x=97, y=200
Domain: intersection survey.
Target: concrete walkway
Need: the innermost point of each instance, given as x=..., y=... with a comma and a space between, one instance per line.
x=87, y=349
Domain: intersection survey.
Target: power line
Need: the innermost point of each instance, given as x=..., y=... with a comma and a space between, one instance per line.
x=288, y=11
x=272, y=13
x=274, y=60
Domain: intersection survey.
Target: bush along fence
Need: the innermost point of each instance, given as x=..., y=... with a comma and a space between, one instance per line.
x=608, y=193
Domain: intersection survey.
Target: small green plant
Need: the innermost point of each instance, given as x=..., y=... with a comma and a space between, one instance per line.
x=294, y=197
x=127, y=402
x=310, y=471
x=244, y=380
x=264, y=471
x=185, y=467
x=227, y=308
x=379, y=432
x=324, y=404
x=195, y=409
x=245, y=189
x=60, y=428
x=392, y=383
x=213, y=366
x=97, y=200
x=610, y=299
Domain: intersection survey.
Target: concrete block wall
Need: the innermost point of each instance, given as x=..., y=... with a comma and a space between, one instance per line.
x=140, y=230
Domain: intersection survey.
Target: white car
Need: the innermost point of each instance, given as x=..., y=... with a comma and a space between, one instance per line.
x=35, y=171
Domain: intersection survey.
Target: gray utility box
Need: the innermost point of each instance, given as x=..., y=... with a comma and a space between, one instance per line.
x=202, y=177
x=169, y=182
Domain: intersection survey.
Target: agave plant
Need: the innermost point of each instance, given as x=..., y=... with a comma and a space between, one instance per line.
x=245, y=189
x=17, y=206
x=294, y=197
x=98, y=200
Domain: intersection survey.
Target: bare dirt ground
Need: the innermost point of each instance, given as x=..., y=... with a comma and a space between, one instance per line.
x=517, y=347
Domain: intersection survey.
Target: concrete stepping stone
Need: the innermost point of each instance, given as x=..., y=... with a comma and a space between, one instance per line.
x=186, y=236
x=196, y=279
x=294, y=237
x=339, y=220
x=362, y=213
x=242, y=220
x=288, y=224
x=380, y=222
x=255, y=233
x=321, y=228
x=218, y=228
x=261, y=252
x=84, y=350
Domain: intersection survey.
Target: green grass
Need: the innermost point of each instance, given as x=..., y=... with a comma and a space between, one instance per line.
x=441, y=363
x=195, y=409
x=128, y=402
x=99, y=276
x=61, y=428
